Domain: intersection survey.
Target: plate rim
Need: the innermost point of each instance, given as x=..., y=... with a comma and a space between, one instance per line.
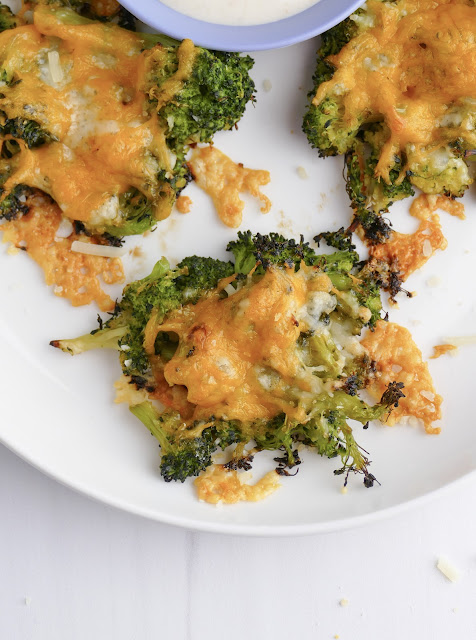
x=243, y=530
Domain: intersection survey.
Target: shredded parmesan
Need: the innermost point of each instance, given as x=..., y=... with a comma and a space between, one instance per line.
x=427, y=248
x=434, y=281
x=55, y=67
x=230, y=289
x=447, y=569
x=429, y=395
x=461, y=341
x=267, y=85
x=104, y=251
x=65, y=229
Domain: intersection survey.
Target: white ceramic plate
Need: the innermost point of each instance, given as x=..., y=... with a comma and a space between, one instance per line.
x=58, y=411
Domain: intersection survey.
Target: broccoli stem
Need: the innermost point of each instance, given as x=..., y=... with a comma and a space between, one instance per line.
x=341, y=281
x=323, y=352
x=353, y=407
x=149, y=418
x=69, y=16
x=101, y=339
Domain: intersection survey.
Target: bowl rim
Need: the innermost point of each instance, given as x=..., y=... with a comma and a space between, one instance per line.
x=243, y=38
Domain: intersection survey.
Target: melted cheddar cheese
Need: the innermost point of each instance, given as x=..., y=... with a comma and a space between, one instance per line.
x=224, y=180
x=75, y=276
x=95, y=105
x=232, y=343
x=398, y=359
x=273, y=345
x=238, y=356
x=414, y=69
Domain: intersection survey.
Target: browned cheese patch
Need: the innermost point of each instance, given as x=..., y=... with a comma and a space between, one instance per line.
x=128, y=392
x=218, y=485
x=76, y=276
x=224, y=180
x=183, y=204
x=407, y=252
x=398, y=358
x=425, y=205
x=441, y=349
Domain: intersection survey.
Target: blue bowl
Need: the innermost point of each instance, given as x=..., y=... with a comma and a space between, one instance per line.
x=273, y=35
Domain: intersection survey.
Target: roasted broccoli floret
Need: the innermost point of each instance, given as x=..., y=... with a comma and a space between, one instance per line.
x=340, y=239
x=163, y=290
x=15, y=204
x=362, y=189
x=177, y=94
x=7, y=19
x=212, y=99
x=327, y=430
x=342, y=297
x=322, y=123
x=96, y=10
x=31, y=132
x=274, y=248
x=369, y=103
x=442, y=170
x=249, y=249
x=183, y=458
x=136, y=215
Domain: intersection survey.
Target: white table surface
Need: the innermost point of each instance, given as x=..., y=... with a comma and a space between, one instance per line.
x=71, y=568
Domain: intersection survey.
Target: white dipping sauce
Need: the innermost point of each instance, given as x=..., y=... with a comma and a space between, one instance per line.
x=239, y=12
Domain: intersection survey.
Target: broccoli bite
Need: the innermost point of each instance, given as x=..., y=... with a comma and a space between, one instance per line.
x=397, y=100
x=213, y=97
x=263, y=349
x=100, y=118
x=7, y=19
x=110, y=11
